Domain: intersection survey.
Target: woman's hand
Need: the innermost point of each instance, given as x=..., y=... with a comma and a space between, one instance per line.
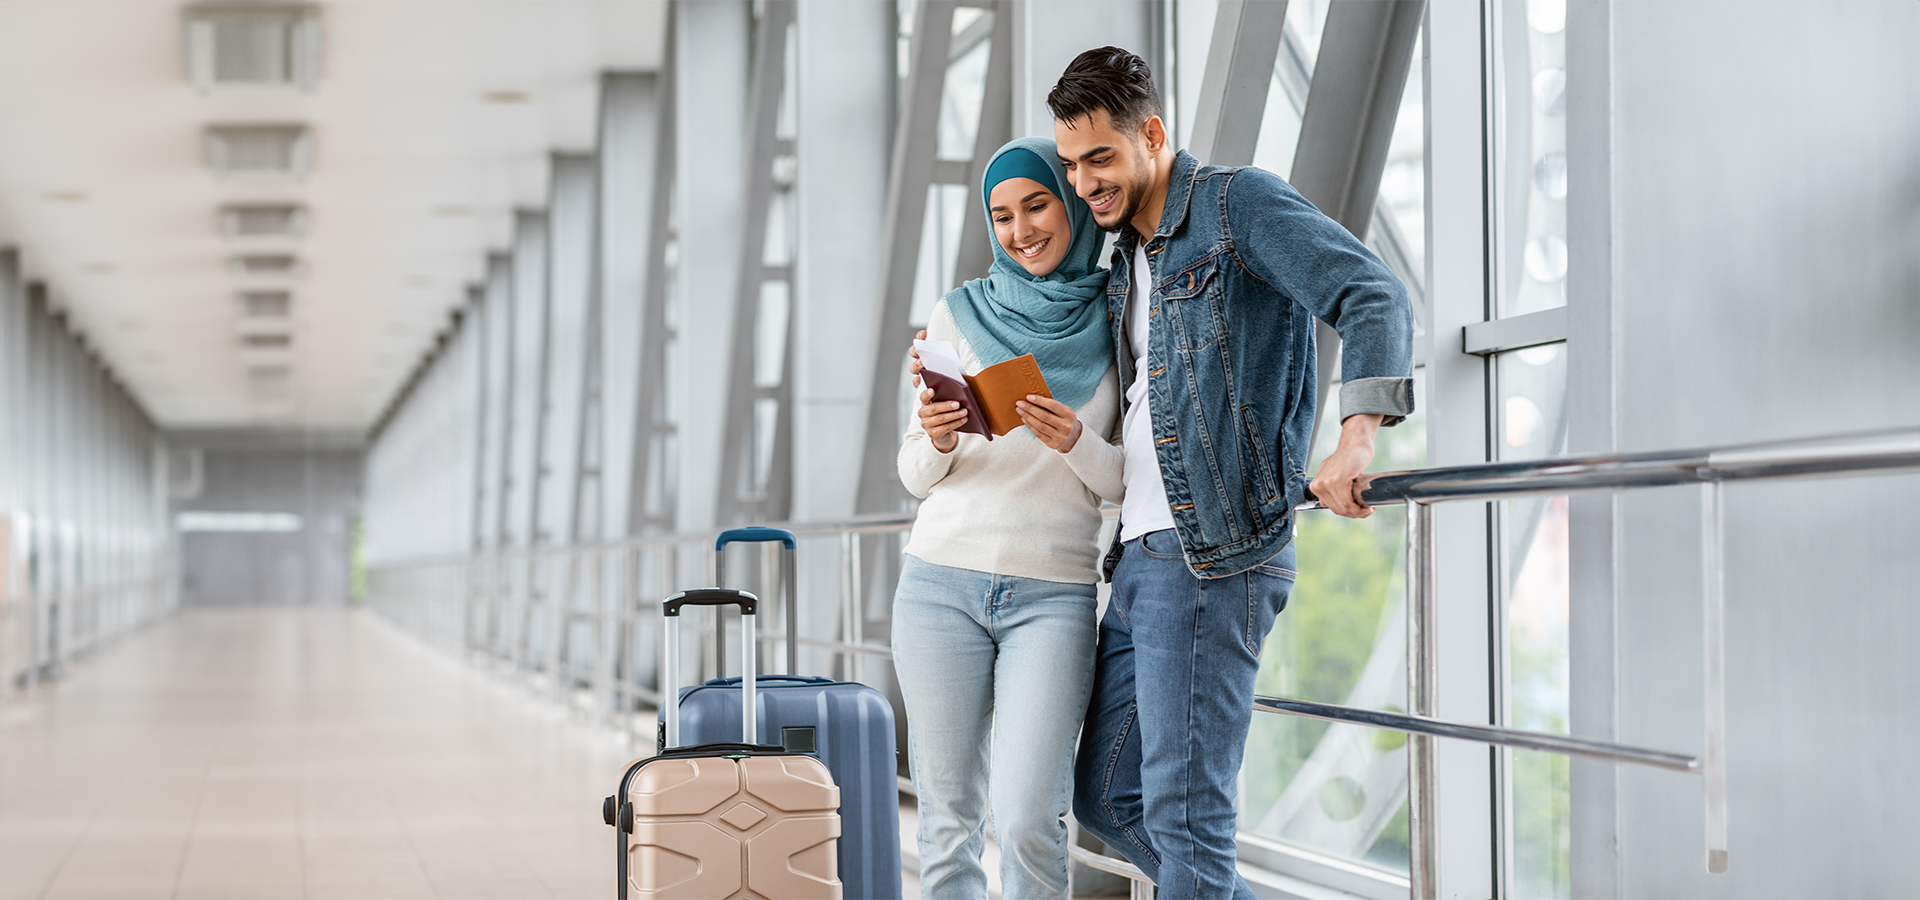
x=1050, y=420
x=913, y=357
x=941, y=420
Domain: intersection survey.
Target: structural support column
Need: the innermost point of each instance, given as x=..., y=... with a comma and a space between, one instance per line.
x=631, y=125
x=496, y=461
x=569, y=274
x=1593, y=379
x=479, y=337
x=1466, y=828
x=529, y=333
x=711, y=67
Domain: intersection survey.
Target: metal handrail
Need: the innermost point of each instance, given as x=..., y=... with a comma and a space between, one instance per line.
x=1896, y=450
x=1848, y=454
x=1485, y=734
x=1142, y=886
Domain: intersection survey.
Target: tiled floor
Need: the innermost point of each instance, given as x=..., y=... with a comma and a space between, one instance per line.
x=257, y=755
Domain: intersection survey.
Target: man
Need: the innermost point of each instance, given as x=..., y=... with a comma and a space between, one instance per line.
x=1217, y=277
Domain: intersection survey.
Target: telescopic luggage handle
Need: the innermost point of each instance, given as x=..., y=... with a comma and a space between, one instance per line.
x=789, y=584
x=754, y=534
x=670, y=658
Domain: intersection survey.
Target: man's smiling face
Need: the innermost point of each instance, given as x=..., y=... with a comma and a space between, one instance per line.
x=1111, y=169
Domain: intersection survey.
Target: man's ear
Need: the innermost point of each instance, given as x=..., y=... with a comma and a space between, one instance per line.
x=1154, y=133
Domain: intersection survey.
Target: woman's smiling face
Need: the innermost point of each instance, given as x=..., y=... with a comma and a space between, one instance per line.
x=1030, y=223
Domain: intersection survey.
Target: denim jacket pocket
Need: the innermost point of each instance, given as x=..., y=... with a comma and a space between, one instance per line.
x=1258, y=457
x=1191, y=298
x=1189, y=282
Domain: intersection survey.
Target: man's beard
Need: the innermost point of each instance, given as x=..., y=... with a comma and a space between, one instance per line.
x=1134, y=191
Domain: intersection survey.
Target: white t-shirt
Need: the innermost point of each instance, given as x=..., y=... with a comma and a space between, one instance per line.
x=1145, y=509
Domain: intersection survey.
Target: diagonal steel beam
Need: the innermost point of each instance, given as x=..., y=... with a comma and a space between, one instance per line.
x=995, y=129
x=763, y=113
x=1247, y=35
x=1366, y=51
x=914, y=147
x=650, y=431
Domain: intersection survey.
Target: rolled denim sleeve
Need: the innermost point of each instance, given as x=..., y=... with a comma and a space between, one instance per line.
x=1315, y=262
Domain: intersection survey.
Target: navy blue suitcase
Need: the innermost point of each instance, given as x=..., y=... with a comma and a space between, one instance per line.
x=849, y=726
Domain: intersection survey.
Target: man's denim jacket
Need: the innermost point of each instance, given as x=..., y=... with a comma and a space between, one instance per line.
x=1241, y=266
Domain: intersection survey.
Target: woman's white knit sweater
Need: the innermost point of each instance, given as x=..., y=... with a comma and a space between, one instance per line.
x=1013, y=505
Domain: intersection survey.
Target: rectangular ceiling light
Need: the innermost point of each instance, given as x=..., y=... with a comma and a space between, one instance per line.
x=266, y=304
x=208, y=520
x=270, y=382
x=274, y=152
x=260, y=220
x=257, y=46
x=266, y=265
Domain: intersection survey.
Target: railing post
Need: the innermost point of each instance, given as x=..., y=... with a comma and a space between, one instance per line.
x=602, y=635
x=852, y=617
x=557, y=603
x=626, y=631
x=1422, y=700
x=1713, y=615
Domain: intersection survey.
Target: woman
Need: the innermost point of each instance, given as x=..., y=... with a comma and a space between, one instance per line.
x=993, y=623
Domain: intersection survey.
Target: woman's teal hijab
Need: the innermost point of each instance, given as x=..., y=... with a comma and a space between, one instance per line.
x=1062, y=318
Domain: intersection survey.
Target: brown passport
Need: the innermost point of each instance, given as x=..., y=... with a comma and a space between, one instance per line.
x=989, y=396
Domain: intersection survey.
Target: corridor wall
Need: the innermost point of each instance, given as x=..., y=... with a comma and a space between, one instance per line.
x=85, y=545
x=291, y=509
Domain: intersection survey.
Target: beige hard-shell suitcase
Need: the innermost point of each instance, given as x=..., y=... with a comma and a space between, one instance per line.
x=725, y=821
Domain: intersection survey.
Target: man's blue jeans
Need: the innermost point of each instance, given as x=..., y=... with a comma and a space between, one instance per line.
x=995, y=671
x=1159, y=766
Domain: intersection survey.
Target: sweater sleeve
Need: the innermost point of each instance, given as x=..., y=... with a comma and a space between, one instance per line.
x=1099, y=461
x=921, y=464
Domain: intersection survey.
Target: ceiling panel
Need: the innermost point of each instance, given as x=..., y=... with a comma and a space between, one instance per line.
x=430, y=123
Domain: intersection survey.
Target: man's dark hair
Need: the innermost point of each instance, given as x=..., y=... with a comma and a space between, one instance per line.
x=1108, y=78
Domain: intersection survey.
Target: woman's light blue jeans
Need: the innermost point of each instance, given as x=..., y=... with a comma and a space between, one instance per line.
x=996, y=672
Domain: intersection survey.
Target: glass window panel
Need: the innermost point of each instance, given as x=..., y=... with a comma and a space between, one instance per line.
x=1287, y=96
x=1339, y=789
x=1279, y=133
x=965, y=90
x=770, y=334
x=1307, y=19
x=766, y=420
x=1399, y=231
x=1530, y=423
x=1529, y=154
x=934, y=275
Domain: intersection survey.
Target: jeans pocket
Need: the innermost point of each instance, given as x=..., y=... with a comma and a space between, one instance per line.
x=1163, y=544
x=1267, y=589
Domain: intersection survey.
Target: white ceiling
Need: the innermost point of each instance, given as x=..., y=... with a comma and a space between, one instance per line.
x=105, y=190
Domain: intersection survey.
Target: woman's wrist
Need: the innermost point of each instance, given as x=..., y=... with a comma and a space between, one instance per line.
x=1073, y=438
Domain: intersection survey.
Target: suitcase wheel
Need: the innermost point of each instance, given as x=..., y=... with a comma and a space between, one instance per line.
x=607, y=810
x=626, y=818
